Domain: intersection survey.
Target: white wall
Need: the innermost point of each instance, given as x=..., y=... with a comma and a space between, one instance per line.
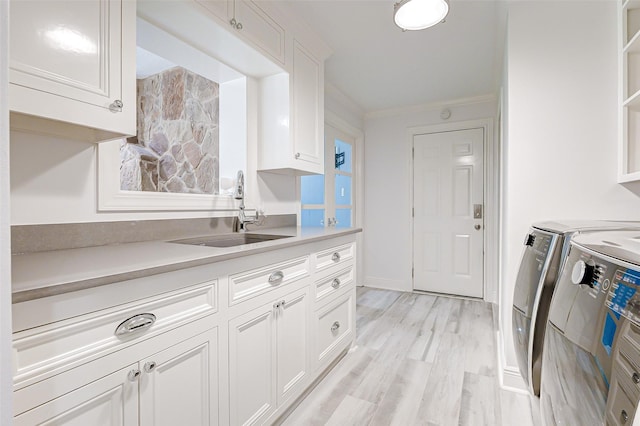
x=387, y=219
x=54, y=180
x=561, y=129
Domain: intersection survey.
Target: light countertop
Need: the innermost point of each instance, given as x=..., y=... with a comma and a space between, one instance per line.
x=47, y=273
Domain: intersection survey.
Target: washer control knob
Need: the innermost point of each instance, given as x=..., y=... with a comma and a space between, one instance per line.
x=582, y=273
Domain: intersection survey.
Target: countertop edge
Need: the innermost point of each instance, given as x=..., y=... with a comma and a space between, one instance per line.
x=216, y=256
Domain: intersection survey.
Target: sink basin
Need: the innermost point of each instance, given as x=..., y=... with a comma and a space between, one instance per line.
x=231, y=240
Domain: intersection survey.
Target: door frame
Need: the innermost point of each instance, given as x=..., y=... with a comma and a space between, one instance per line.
x=357, y=185
x=491, y=196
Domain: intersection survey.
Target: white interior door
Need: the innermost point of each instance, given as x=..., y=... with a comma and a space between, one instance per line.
x=448, y=228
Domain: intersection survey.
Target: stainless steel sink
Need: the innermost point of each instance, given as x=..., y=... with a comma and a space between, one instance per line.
x=231, y=240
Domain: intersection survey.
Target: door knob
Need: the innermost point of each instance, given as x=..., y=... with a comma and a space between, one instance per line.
x=477, y=227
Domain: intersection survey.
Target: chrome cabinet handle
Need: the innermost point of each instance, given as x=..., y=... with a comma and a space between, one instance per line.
x=335, y=283
x=335, y=326
x=138, y=322
x=149, y=366
x=279, y=305
x=636, y=378
x=335, y=257
x=116, y=106
x=133, y=375
x=276, y=277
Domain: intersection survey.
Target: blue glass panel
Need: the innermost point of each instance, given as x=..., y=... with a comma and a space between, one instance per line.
x=343, y=156
x=343, y=216
x=343, y=190
x=312, y=189
x=312, y=217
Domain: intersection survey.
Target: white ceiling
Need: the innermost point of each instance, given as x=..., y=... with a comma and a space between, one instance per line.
x=380, y=67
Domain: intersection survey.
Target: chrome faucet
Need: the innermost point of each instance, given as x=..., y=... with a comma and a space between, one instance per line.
x=241, y=221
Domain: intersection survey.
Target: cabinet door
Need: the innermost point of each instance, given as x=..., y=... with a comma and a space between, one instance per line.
x=307, y=111
x=67, y=57
x=179, y=384
x=292, y=343
x=111, y=400
x=260, y=29
x=252, y=366
x=223, y=9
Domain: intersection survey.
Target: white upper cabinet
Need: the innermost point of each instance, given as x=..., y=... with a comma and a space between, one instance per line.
x=292, y=115
x=73, y=62
x=308, y=108
x=251, y=23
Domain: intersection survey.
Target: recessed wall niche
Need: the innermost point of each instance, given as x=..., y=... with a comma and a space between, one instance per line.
x=177, y=145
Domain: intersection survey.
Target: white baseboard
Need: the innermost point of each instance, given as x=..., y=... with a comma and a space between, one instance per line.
x=387, y=284
x=510, y=377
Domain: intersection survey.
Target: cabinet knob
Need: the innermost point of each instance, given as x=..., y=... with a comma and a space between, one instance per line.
x=297, y=155
x=116, y=106
x=133, y=375
x=335, y=326
x=239, y=26
x=335, y=283
x=149, y=366
x=335, y=257
x=635, y=377
x=276, y=277
x=233, y=22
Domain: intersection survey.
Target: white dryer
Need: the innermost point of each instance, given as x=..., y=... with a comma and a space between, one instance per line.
x=545, y=247
x=591, y=359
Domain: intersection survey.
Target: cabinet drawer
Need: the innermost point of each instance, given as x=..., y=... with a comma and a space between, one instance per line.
x=620, y=408
x=262, y=280
x=334, y=325
x=334, y=283
x=625, y=363
x=54, y=347
x=335, y=256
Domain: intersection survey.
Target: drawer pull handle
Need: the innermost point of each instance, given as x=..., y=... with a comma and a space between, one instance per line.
x=138, y=322
x=335, y=257
x=335, y=283
x=150, y=366
x=636, y=378
x=276, y=277
x=624, y=416
x=133, y=375
x=335, y=326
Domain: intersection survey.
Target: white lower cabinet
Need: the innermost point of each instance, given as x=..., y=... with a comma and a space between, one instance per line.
x=179, y=384
x=175, y=386
x=267, y=357
x=179, y=357
x=111, y=400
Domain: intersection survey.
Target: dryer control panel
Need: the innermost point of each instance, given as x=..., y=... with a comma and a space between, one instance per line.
x=623, y=297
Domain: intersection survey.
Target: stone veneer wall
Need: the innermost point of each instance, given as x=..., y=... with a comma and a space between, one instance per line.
x=177, y=146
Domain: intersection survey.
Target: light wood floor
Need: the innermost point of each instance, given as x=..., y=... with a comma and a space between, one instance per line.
x=419, y=360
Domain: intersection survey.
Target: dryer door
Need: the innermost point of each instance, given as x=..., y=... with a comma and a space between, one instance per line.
x=536, y=269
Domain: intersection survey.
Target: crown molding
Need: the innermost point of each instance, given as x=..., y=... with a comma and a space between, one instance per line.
x=430, y=106
x=332, y=91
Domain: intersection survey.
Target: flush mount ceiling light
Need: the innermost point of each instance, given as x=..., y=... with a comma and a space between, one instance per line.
x=419, y=14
